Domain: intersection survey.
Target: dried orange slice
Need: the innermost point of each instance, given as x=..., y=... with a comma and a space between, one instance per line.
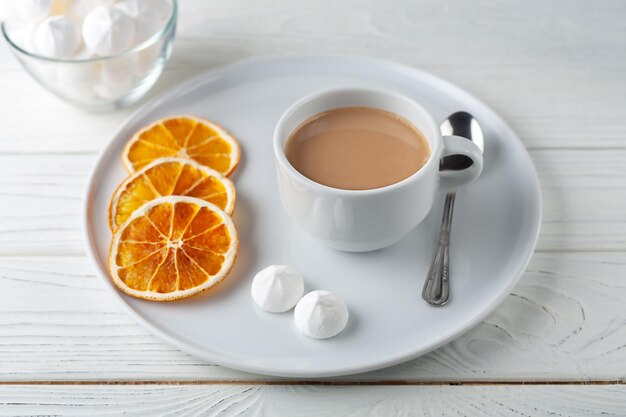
x=170, y=176
x=183, y=137
x=173, y=247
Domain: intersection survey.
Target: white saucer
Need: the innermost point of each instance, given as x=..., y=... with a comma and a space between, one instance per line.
x=496, y=225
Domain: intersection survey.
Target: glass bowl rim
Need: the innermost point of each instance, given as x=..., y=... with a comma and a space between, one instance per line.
x=143, y=45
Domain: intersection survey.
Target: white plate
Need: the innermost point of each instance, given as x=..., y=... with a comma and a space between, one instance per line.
x=496, y=224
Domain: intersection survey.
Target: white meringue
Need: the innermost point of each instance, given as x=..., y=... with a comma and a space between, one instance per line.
x=277, y=288
x=118, y=77
x=111, y=91
x=45, y=71
x=21, y=34
x=80, y=73
x=321, y=314
x=79, y=9
x=56, y=37
x=117, y=70
x=161, y=9
x=32, y=10
x=134, y=8
x=149, y=16
x=108, y=31
x=78, y=91
x=76, y=80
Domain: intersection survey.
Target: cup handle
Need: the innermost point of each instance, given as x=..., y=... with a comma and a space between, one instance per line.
x=457, y=145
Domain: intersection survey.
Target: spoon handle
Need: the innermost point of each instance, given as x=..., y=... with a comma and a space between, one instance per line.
x=437, y=286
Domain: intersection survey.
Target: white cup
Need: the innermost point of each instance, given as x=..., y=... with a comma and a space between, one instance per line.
x=365, y=220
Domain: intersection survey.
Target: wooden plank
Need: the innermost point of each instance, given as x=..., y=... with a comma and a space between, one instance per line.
x=583, y=194
x=305, y=400
x=560, y=81
x=583, y=190
x=41, y=206
x=564, y=321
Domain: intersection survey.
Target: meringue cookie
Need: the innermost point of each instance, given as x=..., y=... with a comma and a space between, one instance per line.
x=134, y=8
x=117, y=75
x=321, y=314
x=277, y=288
x=111, y=91
x=32, y=9
x=21, y=34
x=76, y=80
x=80, y=92
x=86, y=73
x=56, y=37
x=117, y=70
x=108, y=31
x=149, y=16
x=45, y=71
x=161, y=9
x=79, y=9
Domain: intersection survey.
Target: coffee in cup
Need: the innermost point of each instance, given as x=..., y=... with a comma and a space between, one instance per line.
x=357, y=148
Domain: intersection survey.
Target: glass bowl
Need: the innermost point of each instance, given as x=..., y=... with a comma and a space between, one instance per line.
x=106, y=82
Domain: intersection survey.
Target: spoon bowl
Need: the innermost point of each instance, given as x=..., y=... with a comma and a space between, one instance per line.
x=464, y=125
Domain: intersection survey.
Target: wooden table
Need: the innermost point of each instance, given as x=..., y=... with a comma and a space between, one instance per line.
x=557, y=346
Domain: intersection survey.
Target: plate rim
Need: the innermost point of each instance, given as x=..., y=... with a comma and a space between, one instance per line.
x=184, y=88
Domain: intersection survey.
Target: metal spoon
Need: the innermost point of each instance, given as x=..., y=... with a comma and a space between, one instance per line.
x=437, y=286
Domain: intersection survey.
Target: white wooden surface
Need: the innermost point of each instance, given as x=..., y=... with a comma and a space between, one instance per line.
x=555, y=70
x=313, y=401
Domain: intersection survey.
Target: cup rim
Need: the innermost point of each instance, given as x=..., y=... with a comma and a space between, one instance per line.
x=281, y=158
x=143, y=45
